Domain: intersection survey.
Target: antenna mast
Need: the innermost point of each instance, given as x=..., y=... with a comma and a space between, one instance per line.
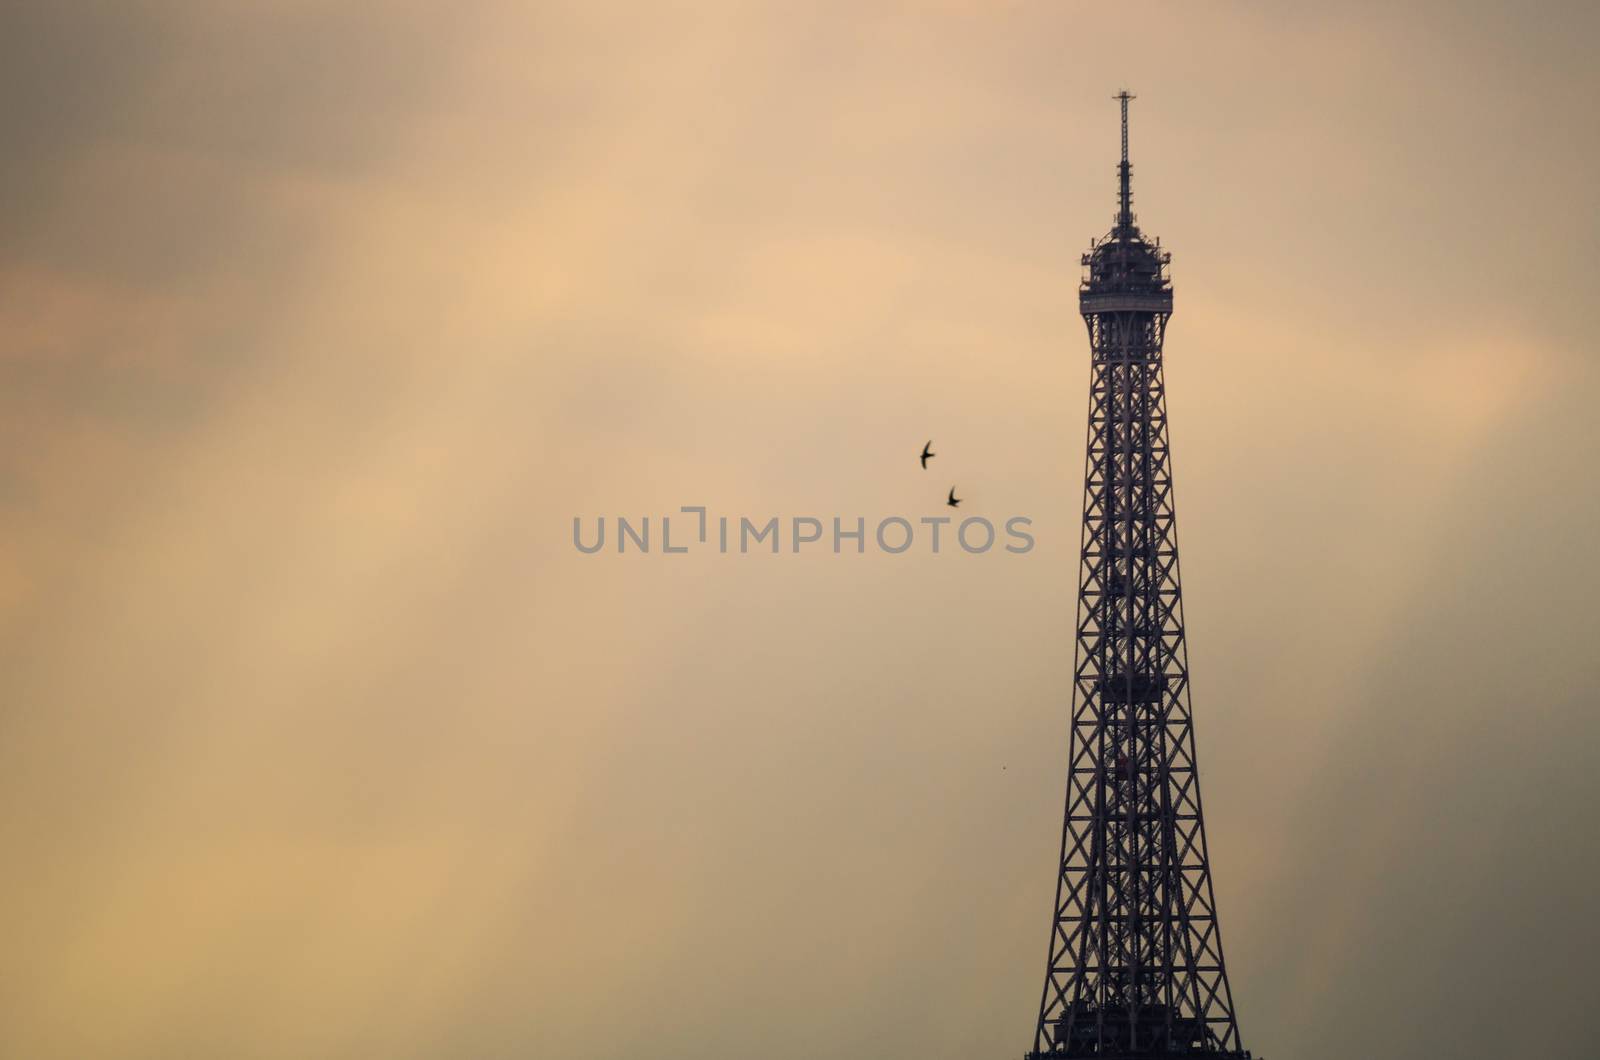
x=1125, y=197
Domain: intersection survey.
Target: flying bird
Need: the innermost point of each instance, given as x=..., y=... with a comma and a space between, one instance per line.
x=954, y=501
x=927, y=451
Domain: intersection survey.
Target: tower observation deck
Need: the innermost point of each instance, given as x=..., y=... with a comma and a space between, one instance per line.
x=1135, y=956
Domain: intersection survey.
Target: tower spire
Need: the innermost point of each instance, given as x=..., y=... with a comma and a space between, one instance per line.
x=1125, y=191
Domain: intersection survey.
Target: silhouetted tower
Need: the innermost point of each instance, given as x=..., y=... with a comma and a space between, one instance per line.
x=1135, y=955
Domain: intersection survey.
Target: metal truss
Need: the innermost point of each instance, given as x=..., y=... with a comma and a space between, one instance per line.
x=1135, y=966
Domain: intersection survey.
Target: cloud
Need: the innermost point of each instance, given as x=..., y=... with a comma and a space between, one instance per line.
x=320, y=324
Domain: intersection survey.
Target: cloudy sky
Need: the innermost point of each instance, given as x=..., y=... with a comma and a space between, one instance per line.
x=319, y=324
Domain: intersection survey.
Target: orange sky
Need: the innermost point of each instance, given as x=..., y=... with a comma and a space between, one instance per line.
x=320, y=323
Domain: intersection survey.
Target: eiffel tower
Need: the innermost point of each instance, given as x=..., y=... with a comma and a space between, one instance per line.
x=1136, y=964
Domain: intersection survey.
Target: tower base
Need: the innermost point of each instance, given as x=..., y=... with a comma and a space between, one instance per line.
x=1191, y=1054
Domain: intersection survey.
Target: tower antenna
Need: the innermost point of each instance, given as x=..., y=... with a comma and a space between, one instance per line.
x=1125, y=196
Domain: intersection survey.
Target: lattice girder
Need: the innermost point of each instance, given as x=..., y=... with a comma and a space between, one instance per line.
x=1135, y=964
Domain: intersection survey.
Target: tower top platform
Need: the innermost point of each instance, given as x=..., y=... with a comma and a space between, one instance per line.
x=1126, y=271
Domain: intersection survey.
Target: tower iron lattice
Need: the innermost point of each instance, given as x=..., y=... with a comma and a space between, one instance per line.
x=1135, y=967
